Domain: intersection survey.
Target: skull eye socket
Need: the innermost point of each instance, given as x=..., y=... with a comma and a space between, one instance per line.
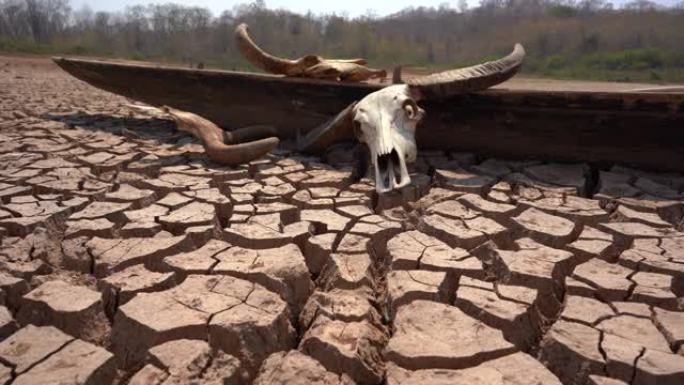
x=411, y=108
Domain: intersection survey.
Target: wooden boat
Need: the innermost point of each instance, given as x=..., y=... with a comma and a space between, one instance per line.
x=643, y=129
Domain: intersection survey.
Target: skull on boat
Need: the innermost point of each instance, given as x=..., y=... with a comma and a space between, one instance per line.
x=385, y=120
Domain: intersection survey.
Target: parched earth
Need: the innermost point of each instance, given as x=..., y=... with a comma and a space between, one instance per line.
x=128, y=258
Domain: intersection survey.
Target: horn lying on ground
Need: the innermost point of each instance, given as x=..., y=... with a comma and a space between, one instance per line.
x=227, y=148
x=224, y=147
x=309, y=66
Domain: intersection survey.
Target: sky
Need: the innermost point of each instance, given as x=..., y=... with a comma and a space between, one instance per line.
x=350, y=7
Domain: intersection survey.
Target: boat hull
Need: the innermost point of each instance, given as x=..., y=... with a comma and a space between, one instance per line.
x=639, y=129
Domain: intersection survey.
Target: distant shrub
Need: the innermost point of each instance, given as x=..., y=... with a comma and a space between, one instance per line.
x=562, y=11
x=19, y=45
x=554, y=62
x=78, y=50
x=636, y=59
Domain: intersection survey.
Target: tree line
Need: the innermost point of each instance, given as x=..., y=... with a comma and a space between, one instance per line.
x=640, y=40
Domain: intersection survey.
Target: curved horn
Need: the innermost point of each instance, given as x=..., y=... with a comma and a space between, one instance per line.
x=248, y=134
x=341, y=127
x=234, y=154
x=468, y=79
x=267, y=62
x=214, y=139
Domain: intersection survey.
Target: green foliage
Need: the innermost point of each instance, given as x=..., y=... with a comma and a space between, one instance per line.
x=22, y=45
x=554, y=62
x=636, y=59
x=652, y=65
x=562, y=11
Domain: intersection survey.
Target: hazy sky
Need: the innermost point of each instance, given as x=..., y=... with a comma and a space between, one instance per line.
x=351, y=7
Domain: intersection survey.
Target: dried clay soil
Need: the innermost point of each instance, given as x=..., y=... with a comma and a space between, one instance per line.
x=126, y=257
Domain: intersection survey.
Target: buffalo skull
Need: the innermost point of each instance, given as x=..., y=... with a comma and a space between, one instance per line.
x=386, y=120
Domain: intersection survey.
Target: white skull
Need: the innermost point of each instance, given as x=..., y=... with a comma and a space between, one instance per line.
x=386, y=121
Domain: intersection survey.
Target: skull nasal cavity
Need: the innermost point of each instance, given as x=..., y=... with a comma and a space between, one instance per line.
x=394, y=156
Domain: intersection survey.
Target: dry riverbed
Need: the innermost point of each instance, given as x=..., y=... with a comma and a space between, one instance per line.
x=126, y=257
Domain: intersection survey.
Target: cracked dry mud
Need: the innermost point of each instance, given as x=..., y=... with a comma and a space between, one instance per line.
x=128, y=258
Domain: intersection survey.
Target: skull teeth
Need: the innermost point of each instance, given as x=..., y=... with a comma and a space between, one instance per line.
x=390, y=171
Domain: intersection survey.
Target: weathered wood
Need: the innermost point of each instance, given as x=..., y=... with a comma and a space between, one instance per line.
x=640, y=129
x=230, y=99
x=637, y=129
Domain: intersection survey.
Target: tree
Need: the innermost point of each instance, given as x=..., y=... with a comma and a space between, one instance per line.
x=462, y=6
x=84, y=18
x=576, y=31
x=641, y=5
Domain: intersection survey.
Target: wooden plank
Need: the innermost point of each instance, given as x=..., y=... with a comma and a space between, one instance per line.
x=639, y=129
x=645, y=135
x=230, y=99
